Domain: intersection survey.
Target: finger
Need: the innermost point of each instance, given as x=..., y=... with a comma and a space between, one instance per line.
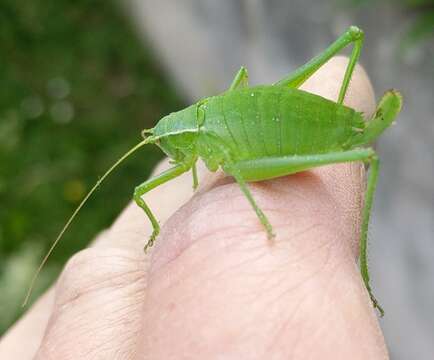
x=217, y=287
x=129, y=232
x=30, y=327
x=90, y=301
x=98, y=299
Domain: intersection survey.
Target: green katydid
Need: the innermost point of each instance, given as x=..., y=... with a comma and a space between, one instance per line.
x=262, y=132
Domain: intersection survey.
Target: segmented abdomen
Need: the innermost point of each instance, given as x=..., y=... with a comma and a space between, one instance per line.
x=274, y=121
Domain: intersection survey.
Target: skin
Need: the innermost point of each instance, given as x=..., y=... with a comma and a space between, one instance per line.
x=214, y=286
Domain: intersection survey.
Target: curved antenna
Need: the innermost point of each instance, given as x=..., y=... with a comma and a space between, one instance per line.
x=76, y=211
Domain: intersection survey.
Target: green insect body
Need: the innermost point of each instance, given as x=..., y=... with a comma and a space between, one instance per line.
x=262, y=132
x=259, y=122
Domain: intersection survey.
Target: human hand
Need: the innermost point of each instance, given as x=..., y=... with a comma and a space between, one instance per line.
x=214, y=287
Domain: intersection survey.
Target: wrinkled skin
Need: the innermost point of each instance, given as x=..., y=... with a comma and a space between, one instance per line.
x=214, y=287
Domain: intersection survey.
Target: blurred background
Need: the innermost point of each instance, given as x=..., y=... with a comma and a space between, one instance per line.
x=79, y=80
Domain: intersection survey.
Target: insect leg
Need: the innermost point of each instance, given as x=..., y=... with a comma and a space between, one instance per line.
x=232, y=169
x=195, y=179
x=151, y=184
x=268, y=168
x=369, y=197
x=387, y=110
x=299, y=76
x=272, y=167
x=241, y=79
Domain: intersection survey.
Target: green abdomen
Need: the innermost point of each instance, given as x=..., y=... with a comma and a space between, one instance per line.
x=273, y=121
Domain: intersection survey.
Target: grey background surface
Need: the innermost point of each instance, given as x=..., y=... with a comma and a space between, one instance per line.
x=202, y=43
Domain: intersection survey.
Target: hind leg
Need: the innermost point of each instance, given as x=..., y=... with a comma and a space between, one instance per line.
x=268, y=168
x=352, y=35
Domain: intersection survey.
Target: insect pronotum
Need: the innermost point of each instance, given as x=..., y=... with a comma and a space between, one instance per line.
x=223, y=131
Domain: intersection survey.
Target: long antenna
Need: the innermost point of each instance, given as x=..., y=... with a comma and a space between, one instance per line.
x=76, y=211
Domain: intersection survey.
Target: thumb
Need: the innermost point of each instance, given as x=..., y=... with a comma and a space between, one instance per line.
x=218, y=287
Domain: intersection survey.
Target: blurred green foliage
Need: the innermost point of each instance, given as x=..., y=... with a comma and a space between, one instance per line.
x=422, y=12
x=423, y=27
x=77, y=86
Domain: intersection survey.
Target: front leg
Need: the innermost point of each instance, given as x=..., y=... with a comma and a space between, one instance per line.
x=151, y=184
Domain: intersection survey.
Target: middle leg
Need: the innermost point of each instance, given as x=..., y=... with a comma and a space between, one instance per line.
x=233, y=170
x=241, y=79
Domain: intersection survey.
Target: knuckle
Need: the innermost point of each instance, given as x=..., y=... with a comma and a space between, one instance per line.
x=94, y=269
x=96, y=294
x=356, y=32
x=80, y=263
